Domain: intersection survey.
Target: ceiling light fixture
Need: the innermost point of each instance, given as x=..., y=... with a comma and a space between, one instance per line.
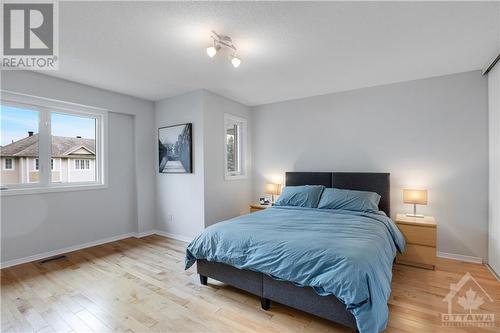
x=221, y=41
x=235, y=61
x=212, y=50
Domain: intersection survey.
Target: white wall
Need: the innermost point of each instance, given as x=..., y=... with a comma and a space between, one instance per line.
x=58, y=220
x=429, y=133
x=187, y=203
x=223, y=199
x=180, y=197
x=494, y=204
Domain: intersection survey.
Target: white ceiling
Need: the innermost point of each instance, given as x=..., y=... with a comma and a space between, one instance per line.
x=288, y=49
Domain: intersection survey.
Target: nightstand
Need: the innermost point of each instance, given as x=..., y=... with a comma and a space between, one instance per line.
x=420, y=236
x=258, y=207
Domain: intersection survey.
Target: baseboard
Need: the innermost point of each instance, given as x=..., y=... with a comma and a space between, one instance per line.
x=144, y=233
x=173, y=236
x=49, y=254
x=461, y=257
x=181, y=238
x=493, y=272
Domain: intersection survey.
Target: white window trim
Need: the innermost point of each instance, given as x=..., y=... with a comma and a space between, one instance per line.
x=45, y=106
x=13, y=165
x=229, y=118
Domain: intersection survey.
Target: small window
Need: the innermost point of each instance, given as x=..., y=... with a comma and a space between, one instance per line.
x=37, y=164
x=235, y=140
x=51, y=164
x=82, y=164
x=8, y=164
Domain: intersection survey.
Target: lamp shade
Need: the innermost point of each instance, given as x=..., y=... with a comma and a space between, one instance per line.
x=418, y=197
x=273, y=189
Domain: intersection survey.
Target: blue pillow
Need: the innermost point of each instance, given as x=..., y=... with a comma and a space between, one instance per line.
x=362, y=201
x=302, y=196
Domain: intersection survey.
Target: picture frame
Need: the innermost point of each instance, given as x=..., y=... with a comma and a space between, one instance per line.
x=175, y=149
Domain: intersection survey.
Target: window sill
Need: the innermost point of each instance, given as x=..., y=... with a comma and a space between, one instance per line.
x=236, y=177
x=52, y=189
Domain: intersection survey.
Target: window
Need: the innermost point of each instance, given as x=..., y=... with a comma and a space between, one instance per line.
x=82, y=164
x=235, y=129
x=51, y=140
x=8, y=164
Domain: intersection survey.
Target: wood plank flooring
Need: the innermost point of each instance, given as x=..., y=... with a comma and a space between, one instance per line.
x=139, y=285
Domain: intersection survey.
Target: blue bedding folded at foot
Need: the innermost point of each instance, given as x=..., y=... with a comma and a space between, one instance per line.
x=345, y=253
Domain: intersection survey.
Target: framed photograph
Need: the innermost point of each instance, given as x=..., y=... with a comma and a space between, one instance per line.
x=175, y=149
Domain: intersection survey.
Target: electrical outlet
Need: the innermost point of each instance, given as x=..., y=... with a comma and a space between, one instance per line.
x=170, y=218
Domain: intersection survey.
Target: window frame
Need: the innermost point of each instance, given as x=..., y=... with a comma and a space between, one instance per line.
x=11, y=164
x=241, y=135
x=45, y=107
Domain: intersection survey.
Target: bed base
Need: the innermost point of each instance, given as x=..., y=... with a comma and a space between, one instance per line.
x=269, y=289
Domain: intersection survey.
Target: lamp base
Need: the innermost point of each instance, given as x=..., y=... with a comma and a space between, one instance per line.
x=415, y=215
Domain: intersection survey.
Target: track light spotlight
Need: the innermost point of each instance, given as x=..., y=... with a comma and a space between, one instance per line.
x=221, y=41
x=211, y=51
x=235, y=61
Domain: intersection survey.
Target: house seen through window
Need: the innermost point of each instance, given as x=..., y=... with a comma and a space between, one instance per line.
x=72, y=146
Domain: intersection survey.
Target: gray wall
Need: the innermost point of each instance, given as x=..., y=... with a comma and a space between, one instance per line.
x=180, y=197
x=223, y=198
x=494, y=204
x=38, y=223
x=186, y=203
x=429, y=133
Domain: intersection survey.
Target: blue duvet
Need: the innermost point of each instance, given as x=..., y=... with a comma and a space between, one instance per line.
x=345, y=253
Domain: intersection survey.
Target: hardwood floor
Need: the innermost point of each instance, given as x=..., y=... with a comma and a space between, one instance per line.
x=139, y=285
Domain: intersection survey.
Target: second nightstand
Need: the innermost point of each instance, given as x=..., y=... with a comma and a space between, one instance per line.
x=258, y=207
x=420, y=236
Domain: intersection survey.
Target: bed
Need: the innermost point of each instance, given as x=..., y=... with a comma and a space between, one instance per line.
x=334, y=264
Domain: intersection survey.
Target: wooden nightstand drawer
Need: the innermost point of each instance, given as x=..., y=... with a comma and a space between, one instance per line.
x=418, y=255
x=418, y=235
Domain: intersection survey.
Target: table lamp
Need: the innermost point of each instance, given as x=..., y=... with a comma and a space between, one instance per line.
x=273, y=189
x=415, y=197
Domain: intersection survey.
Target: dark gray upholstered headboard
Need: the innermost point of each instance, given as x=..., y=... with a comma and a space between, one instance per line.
x=361, y=181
